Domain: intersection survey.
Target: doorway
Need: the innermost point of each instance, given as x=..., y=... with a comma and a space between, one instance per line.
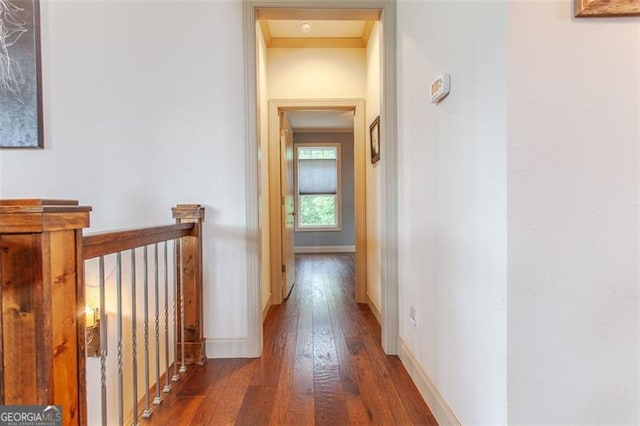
x=276, y=107
x=327, y=10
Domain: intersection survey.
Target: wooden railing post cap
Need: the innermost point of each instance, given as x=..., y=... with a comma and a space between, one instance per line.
x=188, y=211
x=40, y=203
x=38, y=215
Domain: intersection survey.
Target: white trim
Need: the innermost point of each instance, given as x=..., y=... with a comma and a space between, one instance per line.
x=325, y=249
x=253, y=344
x=389, y=183
x=377, y=312
x=429, y=391
x=228, y=348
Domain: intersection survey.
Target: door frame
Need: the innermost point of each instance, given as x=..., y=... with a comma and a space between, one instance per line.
x=359, y=169
x=389, y=166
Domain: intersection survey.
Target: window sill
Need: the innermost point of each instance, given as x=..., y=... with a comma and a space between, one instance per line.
x=318, y=229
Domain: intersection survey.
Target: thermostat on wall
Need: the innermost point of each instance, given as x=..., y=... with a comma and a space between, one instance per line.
x=440, y=87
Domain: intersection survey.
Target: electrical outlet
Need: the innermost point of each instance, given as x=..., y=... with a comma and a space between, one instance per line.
x=412, y=316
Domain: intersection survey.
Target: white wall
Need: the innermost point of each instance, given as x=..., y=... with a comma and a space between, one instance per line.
x=373, y=99
x=574, y=120
x=570, y=162
x=296, y=73
x=144, y=108
x=452, y=201
x=263, y=153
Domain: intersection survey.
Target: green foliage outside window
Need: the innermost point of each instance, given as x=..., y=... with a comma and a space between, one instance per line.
x=325, y=153
x=318, y=210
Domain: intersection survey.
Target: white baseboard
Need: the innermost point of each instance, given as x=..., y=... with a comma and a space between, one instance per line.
x=377, y=312
x=325, y=249
x=439, y=408
x=227, y=348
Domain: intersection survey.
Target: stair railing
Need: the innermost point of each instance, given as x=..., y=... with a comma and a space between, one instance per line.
x=46, y=329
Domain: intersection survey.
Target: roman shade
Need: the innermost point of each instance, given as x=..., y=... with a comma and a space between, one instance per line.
x=317, y=176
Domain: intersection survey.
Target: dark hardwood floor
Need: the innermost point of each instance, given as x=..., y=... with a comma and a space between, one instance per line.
x=322, y=364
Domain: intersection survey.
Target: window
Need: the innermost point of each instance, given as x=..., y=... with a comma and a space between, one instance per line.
x=318, y=187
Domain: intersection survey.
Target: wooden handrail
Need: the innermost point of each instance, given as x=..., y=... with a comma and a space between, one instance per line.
x=42, y=296
x=105, y=243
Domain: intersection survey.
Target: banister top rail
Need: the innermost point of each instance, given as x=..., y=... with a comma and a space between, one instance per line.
x=105, y=243
x=38, y=215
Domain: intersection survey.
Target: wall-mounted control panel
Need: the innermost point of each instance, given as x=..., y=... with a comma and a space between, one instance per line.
x=440, y=87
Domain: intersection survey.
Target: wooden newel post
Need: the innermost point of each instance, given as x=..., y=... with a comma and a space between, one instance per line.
x=190, y=284
x=42, y=321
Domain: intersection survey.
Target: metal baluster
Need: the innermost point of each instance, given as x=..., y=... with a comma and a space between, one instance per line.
x=158, y=399
x=103, y=342
x=183, y=367
x=134, y=344
x=167, y=385
x=147, y=410
x=175, y=376
x=119, y=335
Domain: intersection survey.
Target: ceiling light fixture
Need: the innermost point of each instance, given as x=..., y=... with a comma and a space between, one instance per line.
x=305, y=28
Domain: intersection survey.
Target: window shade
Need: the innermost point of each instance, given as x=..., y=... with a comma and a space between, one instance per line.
x=317, y=176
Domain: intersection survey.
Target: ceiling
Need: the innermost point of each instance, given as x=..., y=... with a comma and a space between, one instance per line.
x=282, y=28
x=321, y=120
x=321, y=33
x=342, y=27
x=330, y=28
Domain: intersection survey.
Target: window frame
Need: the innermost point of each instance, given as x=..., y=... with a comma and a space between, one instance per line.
x=318, y=228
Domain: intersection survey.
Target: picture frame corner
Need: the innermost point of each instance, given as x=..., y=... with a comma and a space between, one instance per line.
x=374, y=139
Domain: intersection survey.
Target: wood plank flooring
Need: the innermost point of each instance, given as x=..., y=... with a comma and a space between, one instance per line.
x=322, y=364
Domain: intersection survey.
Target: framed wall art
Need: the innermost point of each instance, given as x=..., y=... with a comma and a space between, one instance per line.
x=20, y=75
x=374, y=137
x=595, y=8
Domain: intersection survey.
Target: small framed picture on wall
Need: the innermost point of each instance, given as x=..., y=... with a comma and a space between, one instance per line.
x=374, y=133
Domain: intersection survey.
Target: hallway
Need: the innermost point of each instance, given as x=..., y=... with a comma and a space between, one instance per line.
x=322, y=364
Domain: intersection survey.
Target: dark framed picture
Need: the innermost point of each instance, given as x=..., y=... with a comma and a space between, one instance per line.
x=374, y=137
x=20, y=75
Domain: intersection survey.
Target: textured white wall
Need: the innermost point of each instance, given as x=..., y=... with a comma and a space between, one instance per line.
x=374, y=249
x=452, y=192
x=316, y=73
x=574, y=120
x=144, y=108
